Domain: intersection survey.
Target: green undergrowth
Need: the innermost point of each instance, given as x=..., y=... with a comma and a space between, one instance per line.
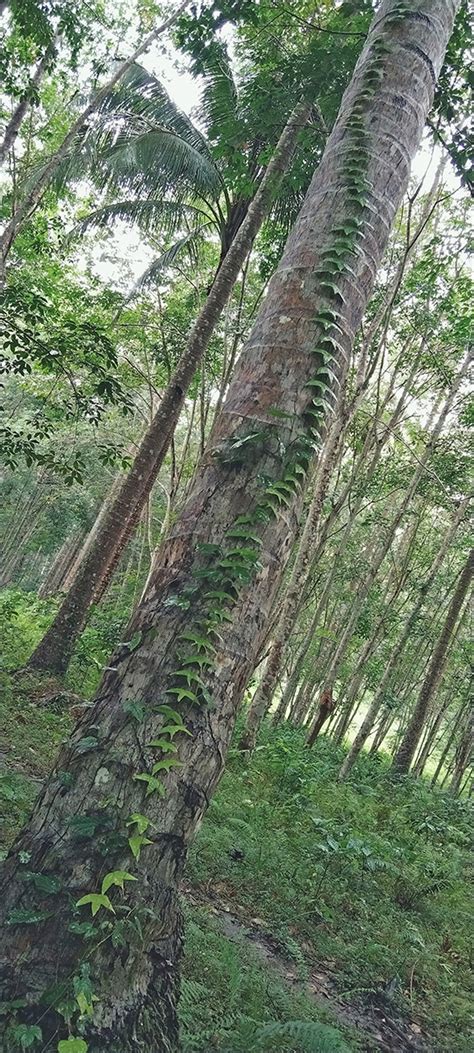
x=367, y=880
x=24, y=618
x=370, y=877
x=233, y=1002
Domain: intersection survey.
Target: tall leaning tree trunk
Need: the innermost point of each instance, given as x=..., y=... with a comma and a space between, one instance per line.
x=121, y=802
x=408, y=745
x=379, y=695
x=55, y=649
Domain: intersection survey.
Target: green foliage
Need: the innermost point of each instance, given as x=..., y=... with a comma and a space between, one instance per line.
x=72, y=1045
x=233, y=1000
x=347, y=870
x=95, y=900
x=25, y=1036
x=307, y=1037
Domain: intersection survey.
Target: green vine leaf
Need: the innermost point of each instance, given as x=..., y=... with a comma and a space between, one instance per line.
x=170, y=713
x=197, y=659
x=44, y=882
x=329, y=374
x=72, y=1045
x=140, y=821
x=116, y=877
x=95, y=900
x=137, y=842
x=153, y=785
x=246, y=535
x=166, y=765
x=135, y=709
x=183, y=693
x=208, y=549
x=175, y=729
x=320, y=385
x=199, y=641
x=282, y=498
x=23, y=916
x=219, y=594
x=189, y=674
x=333, y=289
x=164, y=745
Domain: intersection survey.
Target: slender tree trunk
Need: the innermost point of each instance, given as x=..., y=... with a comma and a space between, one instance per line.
x=426, y=747
x=55, y=649
x=382, y=732
x=368, y=581
x=16, y=119
x=114, y=767
x=293, y=680
x=59, y=570
x=318, y=538
x=264, y=694
x=444, y=752
x=370, y=646
x=377, y=701
x=406, y=750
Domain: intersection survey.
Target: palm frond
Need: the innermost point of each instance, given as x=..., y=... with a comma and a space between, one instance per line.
x=141, y=97
x=157, y=160
x=157, y=268
x=76, y=165
x=149, y=215
x=219, y=106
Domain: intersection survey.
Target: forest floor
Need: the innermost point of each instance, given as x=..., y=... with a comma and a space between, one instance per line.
x=305, y=899
x=373, y=1024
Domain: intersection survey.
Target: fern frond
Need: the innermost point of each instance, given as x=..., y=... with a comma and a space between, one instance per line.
x=305, y=1036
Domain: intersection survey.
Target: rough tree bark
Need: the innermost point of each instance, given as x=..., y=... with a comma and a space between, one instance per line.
x=78, y=827
x=55, y=649
x=406, y=750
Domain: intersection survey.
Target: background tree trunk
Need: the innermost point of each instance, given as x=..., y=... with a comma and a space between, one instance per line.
x=406, y=750
x=377, y=701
